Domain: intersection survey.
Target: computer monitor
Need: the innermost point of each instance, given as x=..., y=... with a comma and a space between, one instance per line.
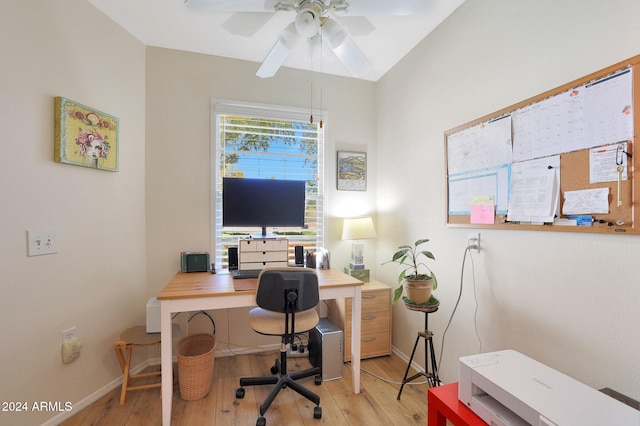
x=263, y=203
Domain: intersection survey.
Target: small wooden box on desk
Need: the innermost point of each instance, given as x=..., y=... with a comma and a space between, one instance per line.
x=376, y=320
x=259, y=253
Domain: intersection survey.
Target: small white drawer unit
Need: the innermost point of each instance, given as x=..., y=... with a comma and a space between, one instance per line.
x=259, y=253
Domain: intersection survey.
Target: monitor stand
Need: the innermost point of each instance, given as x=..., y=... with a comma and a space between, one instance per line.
x=264, y=235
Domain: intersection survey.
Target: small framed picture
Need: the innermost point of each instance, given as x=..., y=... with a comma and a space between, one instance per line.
x=85, y=136
x=352, y=171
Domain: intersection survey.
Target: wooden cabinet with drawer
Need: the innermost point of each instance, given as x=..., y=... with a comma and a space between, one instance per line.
x=257, y=253
x=376, y=320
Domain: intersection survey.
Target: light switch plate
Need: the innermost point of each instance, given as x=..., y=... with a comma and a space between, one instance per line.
x=42, y=241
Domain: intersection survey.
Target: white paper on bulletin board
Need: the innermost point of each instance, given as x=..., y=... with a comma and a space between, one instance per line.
x=594, y=114
x=603, y=162
x=463, y=187
x=486, y=145
x=535, y=190
x=586, y=201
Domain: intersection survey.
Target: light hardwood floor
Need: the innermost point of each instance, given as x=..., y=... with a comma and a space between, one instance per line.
x=375, y=405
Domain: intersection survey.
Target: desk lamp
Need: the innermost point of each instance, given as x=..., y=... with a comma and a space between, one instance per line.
x=358, y=229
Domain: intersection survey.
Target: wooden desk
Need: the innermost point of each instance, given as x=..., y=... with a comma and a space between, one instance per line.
x=198, y=291
x=443, y=404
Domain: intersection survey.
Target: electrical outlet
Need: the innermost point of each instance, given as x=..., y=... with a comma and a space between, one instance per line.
x=68, y=334
x=296, y=354
x=473, y=242
x=42, y=241
x=71, y=350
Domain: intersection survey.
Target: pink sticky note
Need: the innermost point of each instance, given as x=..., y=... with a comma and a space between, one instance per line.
x=483, y=213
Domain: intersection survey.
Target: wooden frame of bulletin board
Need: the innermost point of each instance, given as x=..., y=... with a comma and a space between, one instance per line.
x=569, y=142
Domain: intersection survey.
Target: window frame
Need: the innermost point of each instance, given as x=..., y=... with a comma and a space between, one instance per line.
x=277, y=112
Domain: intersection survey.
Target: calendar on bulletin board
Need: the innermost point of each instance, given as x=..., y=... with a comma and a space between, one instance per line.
x=560, y=161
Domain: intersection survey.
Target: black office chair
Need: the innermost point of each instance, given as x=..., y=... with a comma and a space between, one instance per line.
x=286, y=298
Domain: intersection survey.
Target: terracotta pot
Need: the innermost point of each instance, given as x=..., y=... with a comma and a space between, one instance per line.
x=419, y=291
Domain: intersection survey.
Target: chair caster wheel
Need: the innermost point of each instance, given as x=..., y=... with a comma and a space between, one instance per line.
x=261, y=421
x=317, y=412
x=274, y=369
x=240, y=393
x=318, y=380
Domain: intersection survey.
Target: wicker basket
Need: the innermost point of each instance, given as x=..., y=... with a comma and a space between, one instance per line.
x=195, y=365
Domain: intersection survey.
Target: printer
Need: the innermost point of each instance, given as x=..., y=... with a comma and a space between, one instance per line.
x=507, y=388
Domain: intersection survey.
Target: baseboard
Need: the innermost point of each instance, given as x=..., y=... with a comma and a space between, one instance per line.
x=405, y=358
x=90, y=399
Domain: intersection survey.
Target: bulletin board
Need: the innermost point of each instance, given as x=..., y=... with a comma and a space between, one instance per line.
x=560, y=161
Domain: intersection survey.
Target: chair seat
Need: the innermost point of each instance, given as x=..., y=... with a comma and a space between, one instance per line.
x=272, y=323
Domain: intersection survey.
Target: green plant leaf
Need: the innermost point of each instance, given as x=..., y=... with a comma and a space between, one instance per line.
x=397, y=255
x=422, y=241
x=396, y=294
x=428, y=254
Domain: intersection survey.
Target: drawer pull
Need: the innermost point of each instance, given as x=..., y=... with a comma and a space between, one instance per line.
x=369, y=296
x=370, y=339
x=369, y=318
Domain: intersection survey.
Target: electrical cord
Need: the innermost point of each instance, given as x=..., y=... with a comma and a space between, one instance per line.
x=391, y=382
x=475, y=318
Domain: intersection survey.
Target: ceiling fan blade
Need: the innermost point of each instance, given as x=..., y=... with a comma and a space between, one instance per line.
x=357, y=25
x=388, y=8
x=274, y=60
x=279, y=53
x=345, y=48
x=246, y=24
x=232, y=5
x=352, y=58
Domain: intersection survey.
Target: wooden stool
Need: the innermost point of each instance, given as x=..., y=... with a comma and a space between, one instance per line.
x=134, y=337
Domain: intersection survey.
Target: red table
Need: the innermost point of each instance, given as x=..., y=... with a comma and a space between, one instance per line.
x=443, y=404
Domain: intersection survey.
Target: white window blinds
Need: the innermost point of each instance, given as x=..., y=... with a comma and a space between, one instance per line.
x=265, y=142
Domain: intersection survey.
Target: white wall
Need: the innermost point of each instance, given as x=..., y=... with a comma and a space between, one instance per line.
x=96, y=282
x=180, y=87
x=568, y=300
x=532, y=287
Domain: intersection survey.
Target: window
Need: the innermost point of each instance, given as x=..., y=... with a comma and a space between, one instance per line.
x=255, y=141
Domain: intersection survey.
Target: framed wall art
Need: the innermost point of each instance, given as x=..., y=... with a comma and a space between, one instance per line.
x=85, y=136
x=352, y=171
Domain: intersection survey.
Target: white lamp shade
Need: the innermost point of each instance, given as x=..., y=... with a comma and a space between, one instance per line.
x=358, y=228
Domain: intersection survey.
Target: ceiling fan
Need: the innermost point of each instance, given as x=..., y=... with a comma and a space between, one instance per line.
x=316, y=19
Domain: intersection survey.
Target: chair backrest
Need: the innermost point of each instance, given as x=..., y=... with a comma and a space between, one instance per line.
x=275, y=283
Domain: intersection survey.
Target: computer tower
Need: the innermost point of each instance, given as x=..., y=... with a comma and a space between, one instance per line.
x=325, y=349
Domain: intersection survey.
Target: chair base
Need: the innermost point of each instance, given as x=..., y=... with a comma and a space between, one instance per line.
x=281, y=381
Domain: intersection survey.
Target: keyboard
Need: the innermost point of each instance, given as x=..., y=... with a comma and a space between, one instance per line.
x=245, y=273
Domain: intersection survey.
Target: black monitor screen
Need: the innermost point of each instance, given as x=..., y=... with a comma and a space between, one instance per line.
x=263, y=203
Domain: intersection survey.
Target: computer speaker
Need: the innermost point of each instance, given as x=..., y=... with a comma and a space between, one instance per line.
x=298, y=255
x=233, y=258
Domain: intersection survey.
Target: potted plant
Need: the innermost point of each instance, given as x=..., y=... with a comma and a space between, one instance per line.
x=415, y=278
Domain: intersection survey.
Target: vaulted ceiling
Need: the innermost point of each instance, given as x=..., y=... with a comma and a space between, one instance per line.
x=172, y=24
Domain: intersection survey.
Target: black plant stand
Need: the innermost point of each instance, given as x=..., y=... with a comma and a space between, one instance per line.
x=429, y=352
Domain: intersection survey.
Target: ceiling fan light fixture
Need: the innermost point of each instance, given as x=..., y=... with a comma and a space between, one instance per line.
x=307, y=21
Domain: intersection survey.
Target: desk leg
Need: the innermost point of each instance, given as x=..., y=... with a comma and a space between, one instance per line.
x=166, y=363
x=356, y=330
